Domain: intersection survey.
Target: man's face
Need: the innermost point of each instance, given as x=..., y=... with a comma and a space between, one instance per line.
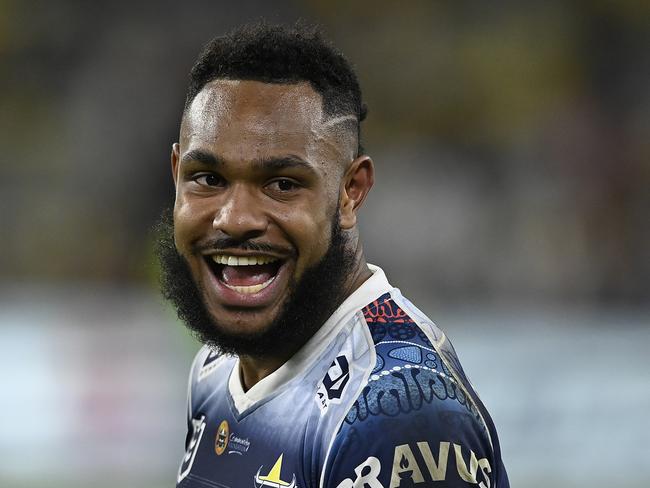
x=258, y=173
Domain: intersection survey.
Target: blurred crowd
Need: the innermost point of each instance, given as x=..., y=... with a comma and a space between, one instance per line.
x=511, y=140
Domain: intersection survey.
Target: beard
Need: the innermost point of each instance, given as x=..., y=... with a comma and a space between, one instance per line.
x=310, y=301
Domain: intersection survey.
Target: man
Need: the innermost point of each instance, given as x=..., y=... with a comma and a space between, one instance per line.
x=315, y=372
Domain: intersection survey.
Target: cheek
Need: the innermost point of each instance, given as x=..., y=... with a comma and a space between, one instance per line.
x=188, y=225
x=310, y=233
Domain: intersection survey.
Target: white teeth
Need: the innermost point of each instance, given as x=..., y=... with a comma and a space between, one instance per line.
x=249, y=290
x=241, y=260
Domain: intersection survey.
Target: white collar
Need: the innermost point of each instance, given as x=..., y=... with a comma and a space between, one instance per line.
x=372, y=288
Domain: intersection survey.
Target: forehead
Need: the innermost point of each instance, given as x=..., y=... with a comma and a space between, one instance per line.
x=252, y=118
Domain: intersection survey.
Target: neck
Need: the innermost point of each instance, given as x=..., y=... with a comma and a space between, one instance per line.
x=253, y=369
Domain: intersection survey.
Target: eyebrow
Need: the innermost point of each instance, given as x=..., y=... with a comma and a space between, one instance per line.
x=283, y=162
x=202, y=157
x=275, y=163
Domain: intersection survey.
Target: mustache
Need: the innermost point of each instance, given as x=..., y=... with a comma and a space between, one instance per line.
x=230, y=244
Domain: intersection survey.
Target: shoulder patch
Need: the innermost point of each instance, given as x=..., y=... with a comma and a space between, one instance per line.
x=398, y=339
x=209, y=365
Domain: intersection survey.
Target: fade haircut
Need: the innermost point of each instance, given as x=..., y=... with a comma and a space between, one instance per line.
x=281, y=54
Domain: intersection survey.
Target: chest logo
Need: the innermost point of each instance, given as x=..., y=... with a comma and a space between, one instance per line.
x=330, y=389
x=221, y=442
x=273, y=477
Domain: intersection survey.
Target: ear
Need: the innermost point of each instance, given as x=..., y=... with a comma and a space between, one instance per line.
x=358, y=181
x=175, y=157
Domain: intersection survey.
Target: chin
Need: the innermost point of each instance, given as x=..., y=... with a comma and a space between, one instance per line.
x=243, y=323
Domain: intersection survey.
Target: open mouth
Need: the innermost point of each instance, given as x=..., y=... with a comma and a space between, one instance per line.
x=244, y=274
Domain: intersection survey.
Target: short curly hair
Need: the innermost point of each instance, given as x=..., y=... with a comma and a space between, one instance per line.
x=282, y=54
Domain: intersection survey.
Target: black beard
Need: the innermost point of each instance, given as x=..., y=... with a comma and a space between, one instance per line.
x=310, y=302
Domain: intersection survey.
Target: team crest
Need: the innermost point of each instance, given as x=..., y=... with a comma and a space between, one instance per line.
x=273, y=479
x=221, y=441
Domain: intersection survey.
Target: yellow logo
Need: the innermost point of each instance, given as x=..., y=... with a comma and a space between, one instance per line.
x=273, y=478
x=221, y=442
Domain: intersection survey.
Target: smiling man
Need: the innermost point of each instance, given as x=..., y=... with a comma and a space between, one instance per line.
x=316, y=372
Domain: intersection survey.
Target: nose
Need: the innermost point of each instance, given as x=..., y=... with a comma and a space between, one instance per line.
x=241, y=216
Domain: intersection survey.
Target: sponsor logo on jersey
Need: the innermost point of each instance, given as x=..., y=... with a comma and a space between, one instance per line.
x=273, y=477
x=198, y=426
x=238, y=445
x=228, y=440
x=221, y=441
x=367, y=475
x=407, y=471
x=331, y=387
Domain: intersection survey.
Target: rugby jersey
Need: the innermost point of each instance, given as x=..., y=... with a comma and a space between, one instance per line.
x=376, y=398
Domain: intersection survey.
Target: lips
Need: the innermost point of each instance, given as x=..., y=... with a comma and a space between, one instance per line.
x=247, y=281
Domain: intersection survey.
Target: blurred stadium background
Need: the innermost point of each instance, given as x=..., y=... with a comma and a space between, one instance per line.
x=512, y=145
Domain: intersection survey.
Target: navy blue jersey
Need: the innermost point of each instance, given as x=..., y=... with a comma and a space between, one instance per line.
x=377, y=398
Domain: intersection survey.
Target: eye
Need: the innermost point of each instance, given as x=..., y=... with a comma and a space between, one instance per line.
x=283, y=185
x=209, y=179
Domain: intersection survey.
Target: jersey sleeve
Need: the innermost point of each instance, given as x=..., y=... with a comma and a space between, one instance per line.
x=197, y=363
x=407, y=427
x=195, y=422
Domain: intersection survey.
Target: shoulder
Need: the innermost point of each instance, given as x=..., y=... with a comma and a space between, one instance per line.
x=203, y=364
x=202, y=375
x=410, y=372
x=416, y=418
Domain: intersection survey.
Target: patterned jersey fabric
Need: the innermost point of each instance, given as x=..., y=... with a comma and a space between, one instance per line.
x=377, y=398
